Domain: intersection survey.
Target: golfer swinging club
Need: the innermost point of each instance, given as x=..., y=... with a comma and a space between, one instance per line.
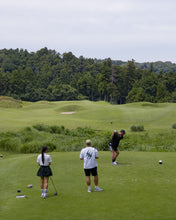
x=89, y=155
x=114, y=143
x=44, y=161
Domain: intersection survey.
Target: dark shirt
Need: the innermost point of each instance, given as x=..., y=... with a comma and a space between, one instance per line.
x=115, y=140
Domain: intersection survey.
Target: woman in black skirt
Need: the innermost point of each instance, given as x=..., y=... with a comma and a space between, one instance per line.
x=44, y=161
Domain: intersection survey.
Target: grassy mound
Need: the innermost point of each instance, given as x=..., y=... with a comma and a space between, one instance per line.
x=8, y=102
x=71, y=108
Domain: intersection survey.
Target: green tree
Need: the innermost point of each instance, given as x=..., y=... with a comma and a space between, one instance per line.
x=103, y=79
x=136, y=94
x=162, y=93
x=119, y=85
x=4, y=83
x=64, y=92
x=131, y=75
x=16, y=83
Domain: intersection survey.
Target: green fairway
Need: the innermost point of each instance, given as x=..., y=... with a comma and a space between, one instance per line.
x=98, y=115
x=138, y=188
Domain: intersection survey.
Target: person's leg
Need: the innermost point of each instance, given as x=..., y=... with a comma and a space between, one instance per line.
x=117, y=153
x=97, y=189
x=42, y=185
x=96, y=180
x=113, y=156
x=95, y=174
x=88, y=183
x=87, y=174
x=46, y=186
x=46, y=182
x=88, y=180
x=42, y=182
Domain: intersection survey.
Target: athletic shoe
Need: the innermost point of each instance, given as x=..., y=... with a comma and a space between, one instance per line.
x=45, y=195
x=89, y=190
x=42, y=195
x=97, y=189
x=114, y=163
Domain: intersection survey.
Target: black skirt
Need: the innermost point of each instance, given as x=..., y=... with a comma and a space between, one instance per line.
x=44, y=171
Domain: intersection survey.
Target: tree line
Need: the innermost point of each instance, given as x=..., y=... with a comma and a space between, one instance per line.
x=49, y=75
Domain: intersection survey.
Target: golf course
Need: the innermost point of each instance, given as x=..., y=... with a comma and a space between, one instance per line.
x=138, y=188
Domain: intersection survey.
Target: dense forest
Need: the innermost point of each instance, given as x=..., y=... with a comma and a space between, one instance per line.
x=49, y=75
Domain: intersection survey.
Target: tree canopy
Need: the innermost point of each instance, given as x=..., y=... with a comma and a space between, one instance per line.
x=49, y=75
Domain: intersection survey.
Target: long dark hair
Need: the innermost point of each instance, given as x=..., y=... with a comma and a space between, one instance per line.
x=44, y=149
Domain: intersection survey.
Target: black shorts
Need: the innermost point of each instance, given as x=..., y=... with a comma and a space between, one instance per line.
x=92, y=171
x=112, y=148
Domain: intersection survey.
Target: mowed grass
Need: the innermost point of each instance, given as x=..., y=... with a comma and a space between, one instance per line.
x=139, y=188
x=98, y=115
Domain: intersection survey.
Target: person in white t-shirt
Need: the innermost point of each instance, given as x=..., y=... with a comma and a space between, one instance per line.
x=44, y=161
x=89, y=155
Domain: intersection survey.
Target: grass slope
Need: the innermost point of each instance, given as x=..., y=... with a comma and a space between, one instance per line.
x=139, y=188
x=98, y=115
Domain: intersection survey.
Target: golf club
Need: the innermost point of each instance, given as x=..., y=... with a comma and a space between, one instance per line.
x=54, y=186
x=112, y=125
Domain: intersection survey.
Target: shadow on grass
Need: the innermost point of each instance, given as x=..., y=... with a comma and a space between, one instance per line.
x=51, y=195
x=125, y=164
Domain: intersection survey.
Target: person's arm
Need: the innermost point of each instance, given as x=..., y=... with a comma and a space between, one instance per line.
x=38, y=161
x=50, y=160
x=81, y=156
x=113, y=133
x=96, y=154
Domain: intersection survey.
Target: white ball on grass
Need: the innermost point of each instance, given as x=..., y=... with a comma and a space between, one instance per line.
x=160, y=161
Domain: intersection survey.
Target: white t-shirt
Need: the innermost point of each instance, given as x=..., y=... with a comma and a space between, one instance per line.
x=47, y=159
x=88, y=154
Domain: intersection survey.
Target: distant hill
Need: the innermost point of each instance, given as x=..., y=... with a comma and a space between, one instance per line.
x=157, y=66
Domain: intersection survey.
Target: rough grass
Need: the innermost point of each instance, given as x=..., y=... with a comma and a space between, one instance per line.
x=57, y=138
x=8, y=102
x=31, y=139
x=139, y=188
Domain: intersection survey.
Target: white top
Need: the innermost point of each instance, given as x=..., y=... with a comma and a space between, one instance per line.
x=47, y=159
x=88, y=154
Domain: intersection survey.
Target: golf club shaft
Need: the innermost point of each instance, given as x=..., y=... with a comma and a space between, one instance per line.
x=53, y=184
x=112, y=126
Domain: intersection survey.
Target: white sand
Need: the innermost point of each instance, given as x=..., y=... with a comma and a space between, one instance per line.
x=67, y=113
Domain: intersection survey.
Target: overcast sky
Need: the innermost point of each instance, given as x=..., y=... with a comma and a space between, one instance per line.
x=143, y=30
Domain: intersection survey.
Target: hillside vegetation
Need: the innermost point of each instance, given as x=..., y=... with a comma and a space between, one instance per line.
x=48, y=75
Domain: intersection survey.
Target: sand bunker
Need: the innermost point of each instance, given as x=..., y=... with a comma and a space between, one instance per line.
x=67, y=113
